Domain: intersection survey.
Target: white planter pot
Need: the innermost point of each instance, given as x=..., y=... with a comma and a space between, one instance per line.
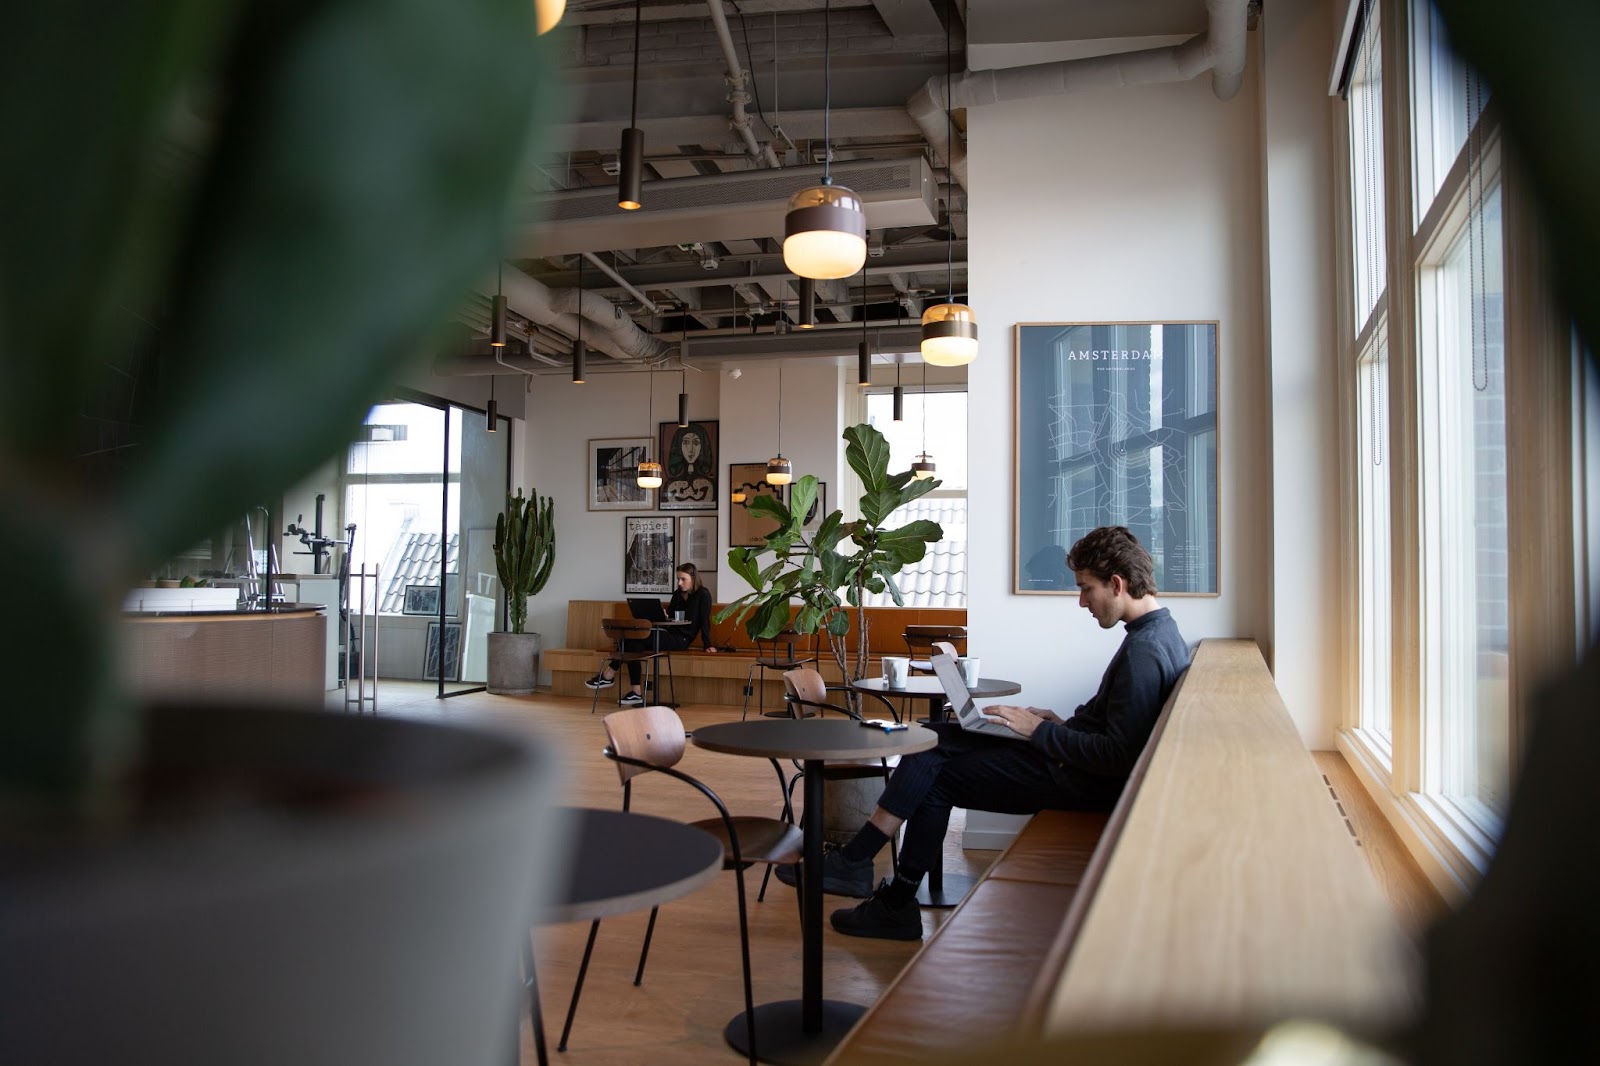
x=514, y=663
x=304, y=887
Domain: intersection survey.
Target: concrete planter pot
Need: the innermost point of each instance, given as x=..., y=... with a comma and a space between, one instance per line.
x=291, y=887
x=514, y=663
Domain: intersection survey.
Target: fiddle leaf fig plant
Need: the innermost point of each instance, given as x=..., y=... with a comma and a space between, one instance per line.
x=825, y=580
x=230, y=224
x=524, y=551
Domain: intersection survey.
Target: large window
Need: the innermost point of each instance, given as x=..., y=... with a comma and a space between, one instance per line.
x=1452, y=628
x=935, y=422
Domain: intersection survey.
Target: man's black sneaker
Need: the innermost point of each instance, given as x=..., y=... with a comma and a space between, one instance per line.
x=632, y=699
x=875, y=918
x=600, y=681
x=840, y=876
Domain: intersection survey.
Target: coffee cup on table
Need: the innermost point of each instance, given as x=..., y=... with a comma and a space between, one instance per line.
x=969, y=669
x=895, y=668
x=677, y=616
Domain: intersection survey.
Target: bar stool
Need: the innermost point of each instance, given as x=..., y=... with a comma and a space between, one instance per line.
x=777, y=653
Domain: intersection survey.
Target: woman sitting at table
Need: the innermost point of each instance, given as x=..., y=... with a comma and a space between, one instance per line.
x=694, y=600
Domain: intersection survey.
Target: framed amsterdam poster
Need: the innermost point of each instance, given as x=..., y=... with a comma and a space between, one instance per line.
x=613, y=473
x=746, y=530
x=1116, y=424
x=648, y=555
x=689, y=466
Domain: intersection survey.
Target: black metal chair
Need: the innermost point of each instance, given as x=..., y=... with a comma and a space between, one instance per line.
x=774, y=653
x=645, y=739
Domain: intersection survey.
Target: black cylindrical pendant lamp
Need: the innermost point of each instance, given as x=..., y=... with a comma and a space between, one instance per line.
x=580, y=353
x=899, y=404
x=497, y=326
x=864, y=364
x=808, y=304
x=630, y=178
x=492, y=415
x=683, y=409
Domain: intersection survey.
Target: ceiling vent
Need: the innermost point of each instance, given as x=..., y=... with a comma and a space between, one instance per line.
x=721, y=207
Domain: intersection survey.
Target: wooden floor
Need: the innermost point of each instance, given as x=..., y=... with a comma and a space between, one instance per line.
x=691, y=987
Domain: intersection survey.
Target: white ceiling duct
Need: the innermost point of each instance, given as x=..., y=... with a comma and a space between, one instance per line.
x=607, y=328
x=1221, y=50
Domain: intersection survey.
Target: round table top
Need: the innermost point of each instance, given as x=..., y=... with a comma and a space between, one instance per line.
x=836, y=739
x=928, y=687
x=624, y=862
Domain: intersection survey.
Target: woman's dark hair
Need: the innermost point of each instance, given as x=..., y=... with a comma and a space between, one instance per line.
x=1113, y=550
x=694, y=576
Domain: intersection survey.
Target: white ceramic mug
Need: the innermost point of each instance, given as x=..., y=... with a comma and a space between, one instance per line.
x=895, y=668
x=969, y=669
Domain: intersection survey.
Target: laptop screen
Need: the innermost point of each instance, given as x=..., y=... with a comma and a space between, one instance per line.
x=955, y=690
x=647, y=609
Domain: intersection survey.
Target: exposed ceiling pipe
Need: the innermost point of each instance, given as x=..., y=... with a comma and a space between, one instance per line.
x=611, y=332
x=739, y=95
x=645, y=302
x=1221, y=50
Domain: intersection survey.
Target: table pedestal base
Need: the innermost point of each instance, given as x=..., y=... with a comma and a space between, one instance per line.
x=780, y=1038
x=953, y=888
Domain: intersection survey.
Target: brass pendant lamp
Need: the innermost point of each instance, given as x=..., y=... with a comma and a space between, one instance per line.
x=779, y=470
x=649, y=476
x=825, y=230
x=949, y=330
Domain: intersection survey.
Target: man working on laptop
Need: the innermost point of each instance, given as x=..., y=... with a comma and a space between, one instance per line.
x=1081, y=763
x=694, y=600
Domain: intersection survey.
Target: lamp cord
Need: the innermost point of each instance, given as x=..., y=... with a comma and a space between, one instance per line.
x=580, y=297
x=949, y=185
x=780, y=410
x=638, y=15
x=827, y=92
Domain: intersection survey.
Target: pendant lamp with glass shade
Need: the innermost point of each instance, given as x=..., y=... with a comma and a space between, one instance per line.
x=546, y=13
x=924, y=468
x=779, y=470
x=650, y=471
x=949, y=330
x=630, y=158
x=825, y=231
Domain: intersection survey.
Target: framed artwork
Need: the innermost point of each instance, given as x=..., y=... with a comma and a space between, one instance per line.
x=421, y=599
x=744, y=529
x=689, y=466
x=649, y=555
x=452, y=652
x=1116, y=424
x=613, y=468
x=697, y=544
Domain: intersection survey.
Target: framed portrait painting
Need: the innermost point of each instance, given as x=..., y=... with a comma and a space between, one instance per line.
x=746, y=530
x=1117, y=425
x=649, y=555
x=688, y=466
x=613, y=470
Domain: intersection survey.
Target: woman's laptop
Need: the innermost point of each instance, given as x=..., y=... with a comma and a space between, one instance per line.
x=967, y=713
x=647, y=609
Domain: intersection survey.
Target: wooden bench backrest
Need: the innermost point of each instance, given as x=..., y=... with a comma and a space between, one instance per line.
x=885, y=625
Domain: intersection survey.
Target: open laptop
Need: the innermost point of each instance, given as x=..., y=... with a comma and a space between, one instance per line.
x=647, y=609
x=967, y=713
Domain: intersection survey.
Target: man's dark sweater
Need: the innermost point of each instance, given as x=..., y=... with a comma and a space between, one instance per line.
x=1102, y=740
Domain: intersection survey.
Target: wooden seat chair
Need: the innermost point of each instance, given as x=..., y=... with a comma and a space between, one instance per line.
x=920, y=639
x=775, y=653
x=646, y=739
x=619, y=630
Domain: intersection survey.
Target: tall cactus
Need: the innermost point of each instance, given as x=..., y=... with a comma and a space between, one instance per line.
x=524, y=551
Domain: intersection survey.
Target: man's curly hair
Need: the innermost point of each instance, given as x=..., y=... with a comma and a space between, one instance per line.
x=1113, y=550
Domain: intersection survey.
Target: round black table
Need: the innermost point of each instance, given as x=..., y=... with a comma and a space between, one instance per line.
x=802, y=1032
x=939, y=889
x=621, y=862
x=927, y=687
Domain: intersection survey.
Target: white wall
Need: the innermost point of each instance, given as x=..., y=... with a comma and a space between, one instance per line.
x=1137, y=204
x=1295, y=46
x=562, y=417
